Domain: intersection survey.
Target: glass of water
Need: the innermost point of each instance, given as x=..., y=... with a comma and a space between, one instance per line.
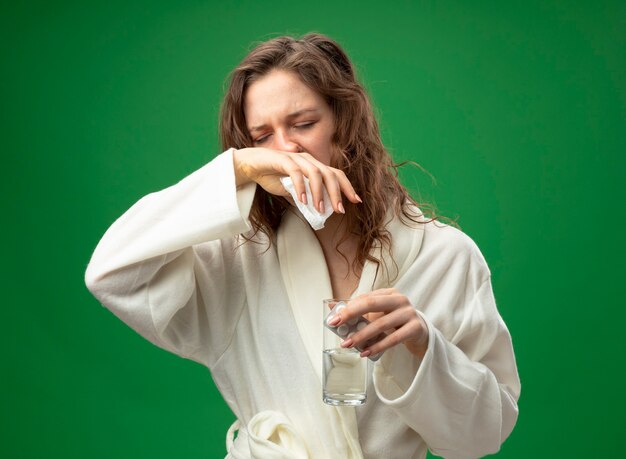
x=344, y=370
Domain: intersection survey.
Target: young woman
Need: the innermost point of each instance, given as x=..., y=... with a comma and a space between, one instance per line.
x=222, y=268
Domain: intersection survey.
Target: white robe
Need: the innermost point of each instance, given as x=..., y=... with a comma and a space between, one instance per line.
x=173, y=270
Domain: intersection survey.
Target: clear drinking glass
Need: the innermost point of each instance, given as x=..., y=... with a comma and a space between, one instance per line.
x=344, y=370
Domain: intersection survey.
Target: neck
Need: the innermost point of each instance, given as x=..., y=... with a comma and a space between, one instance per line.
x=332, y=231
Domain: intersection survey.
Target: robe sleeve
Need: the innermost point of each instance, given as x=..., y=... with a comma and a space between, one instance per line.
x=146, y=267
x=461, y=398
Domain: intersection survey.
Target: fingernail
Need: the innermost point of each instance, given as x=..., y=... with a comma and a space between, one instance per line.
x=303, y=198
x=366, y=353
x=347, y=343
x=356, y=196
x=321, y=206
x=341, y=209
x=334, y=321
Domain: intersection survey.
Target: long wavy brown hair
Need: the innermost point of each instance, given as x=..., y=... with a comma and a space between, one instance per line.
x=324, y=67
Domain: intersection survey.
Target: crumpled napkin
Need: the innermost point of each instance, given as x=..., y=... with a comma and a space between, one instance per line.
x=315, y=219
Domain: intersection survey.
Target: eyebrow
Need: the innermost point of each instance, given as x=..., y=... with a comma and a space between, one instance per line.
x=290, y=116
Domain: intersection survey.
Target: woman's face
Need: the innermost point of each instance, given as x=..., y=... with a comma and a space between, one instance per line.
x=282, y=113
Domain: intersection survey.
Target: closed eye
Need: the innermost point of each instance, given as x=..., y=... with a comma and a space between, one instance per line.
x=262, y=139
x=300, y=126
x=306, y=125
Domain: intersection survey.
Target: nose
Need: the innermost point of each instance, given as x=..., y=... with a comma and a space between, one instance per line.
x=284, y=143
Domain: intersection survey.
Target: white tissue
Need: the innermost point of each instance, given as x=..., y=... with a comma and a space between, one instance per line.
x=315, y=219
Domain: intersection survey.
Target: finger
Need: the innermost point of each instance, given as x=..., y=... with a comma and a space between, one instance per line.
x=410, y=331
x=371, y=316
x=372, y=303
x=379, y=328
x=315, y=177
x=331, y=182
x=293, y=169
x=346, y=186
x=334, y=192
x=316, y=183
x=298, y=182
x=378, y=292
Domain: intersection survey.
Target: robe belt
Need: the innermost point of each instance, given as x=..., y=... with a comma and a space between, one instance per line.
x=270, y=435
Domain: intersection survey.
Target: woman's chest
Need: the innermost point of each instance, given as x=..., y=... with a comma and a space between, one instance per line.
x=343, y=284
x=343, y=279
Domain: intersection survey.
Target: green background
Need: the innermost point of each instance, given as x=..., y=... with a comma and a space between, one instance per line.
x=517, y=110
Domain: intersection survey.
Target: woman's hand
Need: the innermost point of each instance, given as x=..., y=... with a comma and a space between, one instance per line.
x=265, y=167
x=390, y=313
